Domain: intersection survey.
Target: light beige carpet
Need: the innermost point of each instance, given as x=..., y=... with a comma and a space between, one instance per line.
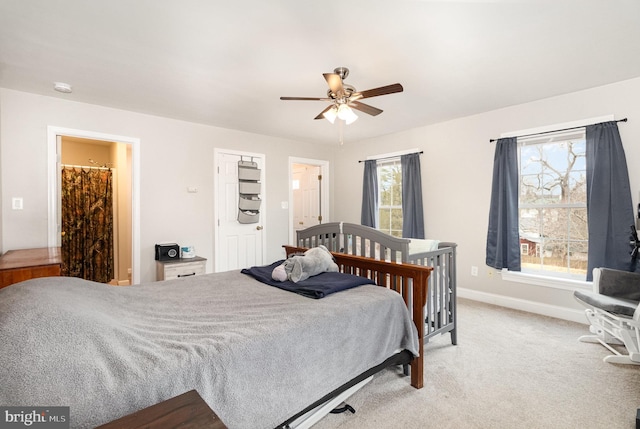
x=510, y=369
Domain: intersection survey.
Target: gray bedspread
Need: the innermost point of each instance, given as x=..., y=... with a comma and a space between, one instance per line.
x=255, y=353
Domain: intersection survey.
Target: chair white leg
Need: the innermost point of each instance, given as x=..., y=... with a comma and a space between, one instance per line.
x=598, y=340
x=630, y=339
x=620, y=359
x=602, y=333
x=610, y=330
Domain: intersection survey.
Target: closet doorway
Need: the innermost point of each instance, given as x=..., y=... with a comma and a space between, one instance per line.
x=308, y=194
x=95, y=210
x=93, y=205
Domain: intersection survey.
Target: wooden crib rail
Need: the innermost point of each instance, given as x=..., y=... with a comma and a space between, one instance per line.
x=410, y=281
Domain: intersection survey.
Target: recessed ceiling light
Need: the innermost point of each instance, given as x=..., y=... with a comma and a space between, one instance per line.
x=62, y=87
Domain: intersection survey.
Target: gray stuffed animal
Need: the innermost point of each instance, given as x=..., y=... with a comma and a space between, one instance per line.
x=313, y=262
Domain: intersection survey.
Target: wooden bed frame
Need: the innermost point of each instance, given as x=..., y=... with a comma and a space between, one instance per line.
x=410, y=281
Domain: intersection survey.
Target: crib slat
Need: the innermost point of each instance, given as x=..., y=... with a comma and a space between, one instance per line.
x=441, y=297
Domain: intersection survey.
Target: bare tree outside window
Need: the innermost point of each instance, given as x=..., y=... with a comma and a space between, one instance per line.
x=390, y=197
x=553, y=205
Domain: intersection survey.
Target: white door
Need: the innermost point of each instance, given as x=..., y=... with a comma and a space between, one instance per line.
x=237, y=245
x=307, y=181
x=309, y=185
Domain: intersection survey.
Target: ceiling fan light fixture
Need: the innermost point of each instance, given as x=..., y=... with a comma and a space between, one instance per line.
x=351, y=119
x=343, y=112
x=346, y=114
x=331, y=114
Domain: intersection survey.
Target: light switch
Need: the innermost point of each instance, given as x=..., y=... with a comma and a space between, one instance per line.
x=16, y=203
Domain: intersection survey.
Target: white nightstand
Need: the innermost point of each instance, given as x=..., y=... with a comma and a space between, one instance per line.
x=168, y=270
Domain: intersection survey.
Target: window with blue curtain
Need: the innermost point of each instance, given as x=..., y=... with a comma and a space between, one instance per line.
x=556, y=203
x=392, y=196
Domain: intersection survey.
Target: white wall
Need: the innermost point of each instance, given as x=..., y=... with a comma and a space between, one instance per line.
x=456, y=166
x=456, y=179
x=173, y=155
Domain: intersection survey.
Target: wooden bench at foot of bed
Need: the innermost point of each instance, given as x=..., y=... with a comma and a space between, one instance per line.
x=410, y=281
x=186, y=411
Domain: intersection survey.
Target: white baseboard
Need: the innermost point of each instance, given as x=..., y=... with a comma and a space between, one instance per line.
x=556, y=311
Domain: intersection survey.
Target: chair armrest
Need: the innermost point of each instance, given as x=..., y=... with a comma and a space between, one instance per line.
x=621, y=284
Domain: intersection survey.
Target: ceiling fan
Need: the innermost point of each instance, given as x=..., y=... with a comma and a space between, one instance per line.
x=344, y=97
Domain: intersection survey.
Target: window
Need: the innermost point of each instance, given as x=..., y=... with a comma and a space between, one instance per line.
x=390, y=197
x=553, y=204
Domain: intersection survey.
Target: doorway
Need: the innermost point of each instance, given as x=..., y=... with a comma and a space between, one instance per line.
x=96, y=210
x=308, y=194
x=89, y=150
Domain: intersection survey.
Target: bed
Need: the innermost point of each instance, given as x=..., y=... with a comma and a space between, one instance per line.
x=261, y=357
x=354, y=239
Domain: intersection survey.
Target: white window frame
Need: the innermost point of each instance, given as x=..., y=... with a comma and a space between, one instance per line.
x=535, y=279
x=558, y=137
x=381, y=164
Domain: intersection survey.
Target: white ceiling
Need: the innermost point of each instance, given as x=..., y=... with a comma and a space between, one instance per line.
x=226, y=63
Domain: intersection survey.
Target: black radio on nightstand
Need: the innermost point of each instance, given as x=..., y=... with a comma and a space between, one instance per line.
x=167, y=252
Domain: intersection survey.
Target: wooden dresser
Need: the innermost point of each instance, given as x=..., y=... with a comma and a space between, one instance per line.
x=25, y=264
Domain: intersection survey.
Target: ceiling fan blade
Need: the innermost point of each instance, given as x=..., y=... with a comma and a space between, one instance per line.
x=373, y=111
x=320, y=116
x=383, y=90
x=335, y=83
x=306, y=98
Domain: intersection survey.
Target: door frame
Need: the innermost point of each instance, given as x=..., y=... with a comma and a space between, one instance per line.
x=216, y=211
x=324, y=192
x=53, y=194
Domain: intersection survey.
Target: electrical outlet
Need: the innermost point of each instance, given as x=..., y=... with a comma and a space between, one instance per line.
x=474, y=271
x=16, y=203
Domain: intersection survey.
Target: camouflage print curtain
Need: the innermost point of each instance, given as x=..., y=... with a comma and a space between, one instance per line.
x=87, y=224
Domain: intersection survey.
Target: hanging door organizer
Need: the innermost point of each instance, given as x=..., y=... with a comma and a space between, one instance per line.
x=249, y=190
